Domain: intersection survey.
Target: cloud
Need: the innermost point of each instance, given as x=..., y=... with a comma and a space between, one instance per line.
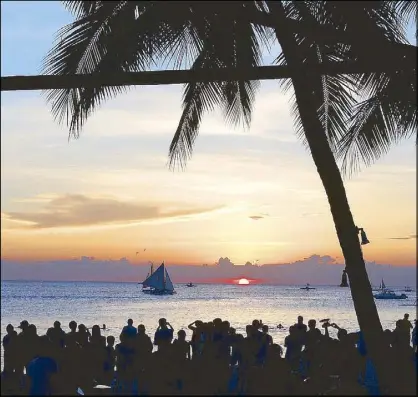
x=72, y=210
x=256, y=217
x=309, y=214
x=410, y=237
x=316, y=270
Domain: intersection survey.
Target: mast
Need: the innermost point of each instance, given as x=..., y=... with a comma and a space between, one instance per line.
x=164, y=275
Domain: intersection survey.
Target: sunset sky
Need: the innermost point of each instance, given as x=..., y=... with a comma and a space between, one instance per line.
x=246, y=194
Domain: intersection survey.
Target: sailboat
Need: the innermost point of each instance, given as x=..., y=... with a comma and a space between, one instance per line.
x=158, y=282
x=408, y=289
x=381, y=287
x=386, y=293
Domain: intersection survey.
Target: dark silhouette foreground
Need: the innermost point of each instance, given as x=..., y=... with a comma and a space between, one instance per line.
x=216, y=361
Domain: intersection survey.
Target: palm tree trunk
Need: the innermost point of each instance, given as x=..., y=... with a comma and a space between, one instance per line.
x=361, y=291
x=364, y=304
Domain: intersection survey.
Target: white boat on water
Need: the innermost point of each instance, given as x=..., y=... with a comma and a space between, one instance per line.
x=408, y=289
x=389, y=294
x=158, y=282
x=386, y=293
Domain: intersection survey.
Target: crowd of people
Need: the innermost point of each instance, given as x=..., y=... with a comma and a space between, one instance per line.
x=216, y=361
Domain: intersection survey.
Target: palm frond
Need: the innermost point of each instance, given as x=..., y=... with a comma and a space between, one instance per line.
x=407, y=11
x=386, y=115
x=92, y=44
x=81, y=8
x=333, y=95
x=227, y=42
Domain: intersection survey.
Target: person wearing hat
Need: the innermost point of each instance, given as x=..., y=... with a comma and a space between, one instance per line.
x=22, y=345
x=23, y=325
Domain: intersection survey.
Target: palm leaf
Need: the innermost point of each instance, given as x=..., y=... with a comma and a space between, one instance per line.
x=333, y=95
x=386, y=115
x=407, y=11
x=92, y=44
x=227, y=42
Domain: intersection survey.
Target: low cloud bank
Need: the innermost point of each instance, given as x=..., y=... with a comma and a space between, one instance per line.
x=316, y=269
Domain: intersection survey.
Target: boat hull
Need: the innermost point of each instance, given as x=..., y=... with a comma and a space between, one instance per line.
x=403, y=296
x=308, y=288
x=158, y=292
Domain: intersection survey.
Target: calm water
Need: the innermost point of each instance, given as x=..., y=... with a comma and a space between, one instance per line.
x=41, y=303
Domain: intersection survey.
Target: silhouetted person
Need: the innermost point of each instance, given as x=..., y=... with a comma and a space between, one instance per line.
x=249, y=347
x=32, y=340
x=110, y=360
x=56, y=334
x=414, y=337
x=73, y=362
x=83, y=335
x=9, y=349
x=164, y=334
x=97, y=353
x=124, y=357
x=269, y=338
x=293, y=345
x=143, y=349
x=22, y=344
x=96, y=337
x=194, y=326
x=406, y=326
x=313, y=334
x=300, y=329
x=71, y=337
x=217, y=329
x=129, y=329
x=181, y=348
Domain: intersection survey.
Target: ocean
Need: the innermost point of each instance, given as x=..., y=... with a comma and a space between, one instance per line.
x=41, y=303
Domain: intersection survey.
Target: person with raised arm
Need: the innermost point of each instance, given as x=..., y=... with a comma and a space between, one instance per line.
x=164, y=334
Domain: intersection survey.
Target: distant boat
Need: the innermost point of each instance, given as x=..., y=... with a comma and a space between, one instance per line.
x=408, y=289
x=381, y=287
x=389, y=294
x=158, y=282
x=190, y=285
x=307, y=287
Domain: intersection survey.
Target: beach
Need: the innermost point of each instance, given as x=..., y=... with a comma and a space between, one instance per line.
x=41, y=303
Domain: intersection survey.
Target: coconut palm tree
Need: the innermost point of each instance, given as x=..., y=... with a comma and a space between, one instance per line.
x=135, y=36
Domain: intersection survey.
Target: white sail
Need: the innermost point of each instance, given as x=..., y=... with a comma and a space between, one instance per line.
x=156, y=279
x=168, y=284
x=383, y=284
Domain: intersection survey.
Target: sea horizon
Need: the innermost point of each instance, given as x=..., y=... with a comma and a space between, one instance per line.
x=251, y=284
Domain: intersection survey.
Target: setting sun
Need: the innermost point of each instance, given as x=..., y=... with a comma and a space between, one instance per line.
x=243, y=281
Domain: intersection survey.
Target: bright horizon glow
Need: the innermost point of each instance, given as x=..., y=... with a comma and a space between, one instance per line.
x=252, y=195
x=243, y=281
